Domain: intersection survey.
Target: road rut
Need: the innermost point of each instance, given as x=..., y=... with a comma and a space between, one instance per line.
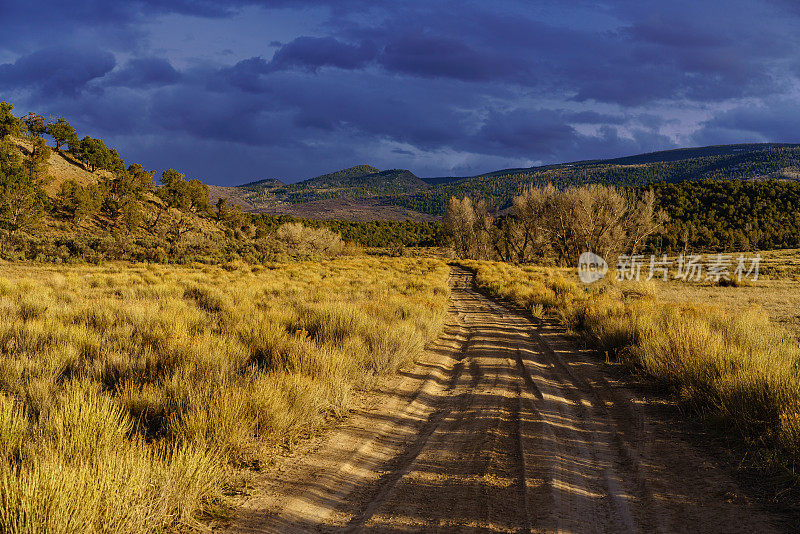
x=503, y=426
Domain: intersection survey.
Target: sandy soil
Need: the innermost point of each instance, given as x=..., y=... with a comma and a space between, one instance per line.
x=503, y=427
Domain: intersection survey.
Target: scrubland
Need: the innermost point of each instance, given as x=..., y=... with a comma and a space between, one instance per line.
x=736, y=367
x=136, y=397
x=777, y=291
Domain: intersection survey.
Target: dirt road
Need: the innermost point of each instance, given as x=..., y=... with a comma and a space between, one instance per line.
x=503, y=427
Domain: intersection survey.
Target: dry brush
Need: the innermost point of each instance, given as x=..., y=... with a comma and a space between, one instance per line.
x=134, y=397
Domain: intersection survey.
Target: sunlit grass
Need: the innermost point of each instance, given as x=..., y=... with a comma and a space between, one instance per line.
x=133, y=396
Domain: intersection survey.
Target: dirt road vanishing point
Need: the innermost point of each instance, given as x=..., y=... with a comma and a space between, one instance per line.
x=503, y=426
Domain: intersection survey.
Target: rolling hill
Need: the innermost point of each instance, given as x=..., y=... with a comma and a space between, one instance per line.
x=363, y=192
x=357, y=193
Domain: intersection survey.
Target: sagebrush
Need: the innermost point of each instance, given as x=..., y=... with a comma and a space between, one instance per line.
x=132, y=396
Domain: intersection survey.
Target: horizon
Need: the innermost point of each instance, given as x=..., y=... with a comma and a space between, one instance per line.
x=240, y=92
x=379, y=170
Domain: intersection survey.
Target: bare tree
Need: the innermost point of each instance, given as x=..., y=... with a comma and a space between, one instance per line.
x=644, y=220
x=301, y=240
x=545, y=221
x=527, y=232
x=483, y=231
x=459, y=221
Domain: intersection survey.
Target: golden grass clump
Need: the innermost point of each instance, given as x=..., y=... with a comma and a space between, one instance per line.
x=740, y=369
x=131, y=397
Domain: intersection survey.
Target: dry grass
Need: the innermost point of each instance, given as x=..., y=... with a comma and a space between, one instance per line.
x=738, y=368
x=779, y=299
x=132, y=397
x=777, y=291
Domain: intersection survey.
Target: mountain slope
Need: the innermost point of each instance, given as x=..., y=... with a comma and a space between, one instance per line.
x=354, y=183
x=341, y=178
x=363, y=189
x=746, y=162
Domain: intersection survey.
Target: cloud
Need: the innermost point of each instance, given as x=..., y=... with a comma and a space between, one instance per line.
x=546, y=135
x=435, y=86
x=535, y=133
x=593, y=117
x=311, y=53
x=56, y=71
x=145, y=72
x=776, y=122
x=435, y=56
x=246, y=75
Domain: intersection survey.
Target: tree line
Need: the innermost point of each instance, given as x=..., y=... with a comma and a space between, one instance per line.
x=689, y=216
x=729, y=215
x=551, y=224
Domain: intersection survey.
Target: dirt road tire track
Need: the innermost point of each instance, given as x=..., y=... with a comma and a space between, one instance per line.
x=503, y=426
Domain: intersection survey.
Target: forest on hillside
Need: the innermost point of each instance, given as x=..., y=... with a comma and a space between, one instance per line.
x=499, y=188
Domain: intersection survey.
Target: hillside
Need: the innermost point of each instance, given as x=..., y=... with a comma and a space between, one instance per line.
x=745, y=162
x=364, y=192
x=342, y=178
x=357, y=187
x=61, y=167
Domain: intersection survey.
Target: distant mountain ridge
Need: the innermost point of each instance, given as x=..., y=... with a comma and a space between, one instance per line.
x=424, y=197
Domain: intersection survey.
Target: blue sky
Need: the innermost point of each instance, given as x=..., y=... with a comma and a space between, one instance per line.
x=235, y=91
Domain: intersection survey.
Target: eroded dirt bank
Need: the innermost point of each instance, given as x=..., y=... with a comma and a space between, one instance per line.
x=503, y=427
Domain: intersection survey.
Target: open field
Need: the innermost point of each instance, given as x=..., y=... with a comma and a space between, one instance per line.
x=146, y=397
x=779, y=299
x=503, y=425
x=135, y=397
x=776, y=292
x=737, y=367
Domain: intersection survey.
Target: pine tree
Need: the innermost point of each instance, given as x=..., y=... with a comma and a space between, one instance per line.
x=9, y=124
x=62, y=133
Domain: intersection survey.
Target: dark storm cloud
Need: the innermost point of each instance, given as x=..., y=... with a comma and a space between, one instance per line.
x=538, y=133
x=593, y=117
x=314, y=52
x=218, y=116
x=434, y=57
x=776, y=121
x=545, y=134
x=304, y=53
x=246, y=75
x=145, y=72
x=416, y=55
x=373, y=106
x=480, y=83
x=56, y=71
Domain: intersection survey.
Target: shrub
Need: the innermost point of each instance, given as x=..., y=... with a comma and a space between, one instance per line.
x=133, y=395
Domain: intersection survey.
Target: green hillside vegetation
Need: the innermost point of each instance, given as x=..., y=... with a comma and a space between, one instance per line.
x=342, y=178
x=83, y=202
x=500, y=187
x=359, y=182
x=353, y=185
x=730, y=214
